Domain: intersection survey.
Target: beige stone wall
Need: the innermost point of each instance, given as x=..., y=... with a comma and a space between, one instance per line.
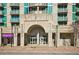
x=44, y=21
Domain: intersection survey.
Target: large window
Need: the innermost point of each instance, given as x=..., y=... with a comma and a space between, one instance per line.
x=26, y=8
x=49, y=8
x=74, y=17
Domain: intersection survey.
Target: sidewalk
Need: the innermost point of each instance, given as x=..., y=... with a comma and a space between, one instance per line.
x=44, y=50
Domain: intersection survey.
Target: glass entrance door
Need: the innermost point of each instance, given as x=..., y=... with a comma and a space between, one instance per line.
x=33, y=40
x=43, y=40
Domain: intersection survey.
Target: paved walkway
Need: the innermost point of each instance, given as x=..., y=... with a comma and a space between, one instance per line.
x=39, y=50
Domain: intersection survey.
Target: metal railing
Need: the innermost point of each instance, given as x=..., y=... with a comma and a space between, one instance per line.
x=62, y=10
x=37, y=4
x=14, y=12
x=62, y=18
x=1, y=12
x=14, y=19
x=77, y=9
x=14, y=4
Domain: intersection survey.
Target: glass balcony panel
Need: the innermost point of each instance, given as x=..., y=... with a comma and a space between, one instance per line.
x=37, y=4
x=77, y=17
x=14, y=19
x=14, y=4
x=62, y=18
x=77, y=9
x=15, y=12
x=62, y=9
x=31, y=12
x=0, y=12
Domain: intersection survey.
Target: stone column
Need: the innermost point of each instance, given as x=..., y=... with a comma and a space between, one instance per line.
x=22, y=35
x=15, y=35
x=0, y=36
x=77, y=40
x=22, y=39
x=50, y=40
x=37, y=38
x=15, y=39
x=57, y=36
x=22, y=18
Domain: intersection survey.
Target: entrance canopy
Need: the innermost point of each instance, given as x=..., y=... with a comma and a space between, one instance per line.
x=7, y=35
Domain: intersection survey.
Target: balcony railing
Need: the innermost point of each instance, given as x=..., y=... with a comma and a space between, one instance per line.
x=14, y=20
x=62, y=9
x=62, y=18
x=14, y=4
x=36, y=17
x=37, y=12
x=77, y=18
x=37, y=4
x=77, y=9
x=15, y=12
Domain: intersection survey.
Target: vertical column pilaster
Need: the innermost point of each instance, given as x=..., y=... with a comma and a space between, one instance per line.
x=22, y=35
x=38, y=38
x=55, y=10
x=8, y=15
x=57, y=36
x=15, y=35
x=50, y=40
x=69, y=14
x=22, y=39
x=15, y=39
x=22, y=17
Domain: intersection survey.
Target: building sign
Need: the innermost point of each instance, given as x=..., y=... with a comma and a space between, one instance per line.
x=7, y=35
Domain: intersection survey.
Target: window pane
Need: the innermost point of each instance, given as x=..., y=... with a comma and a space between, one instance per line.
x=73, y=8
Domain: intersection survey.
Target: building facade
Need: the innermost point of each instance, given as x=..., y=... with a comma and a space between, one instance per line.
x=38, y=24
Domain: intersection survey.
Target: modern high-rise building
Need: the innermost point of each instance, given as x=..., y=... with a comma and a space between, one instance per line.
x=38, y=24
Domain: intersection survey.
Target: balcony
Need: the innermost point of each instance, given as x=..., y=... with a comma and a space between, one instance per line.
x=38, y=17
x=62, y=18
x=14, y=12
x=14, y=4
x=37, y=4
x=77, y=9
x=77, y=18
x=37, y=12
x=62, y=9
x=14, y=20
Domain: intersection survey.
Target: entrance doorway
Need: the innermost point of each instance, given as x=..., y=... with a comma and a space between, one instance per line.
x=36, y=35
